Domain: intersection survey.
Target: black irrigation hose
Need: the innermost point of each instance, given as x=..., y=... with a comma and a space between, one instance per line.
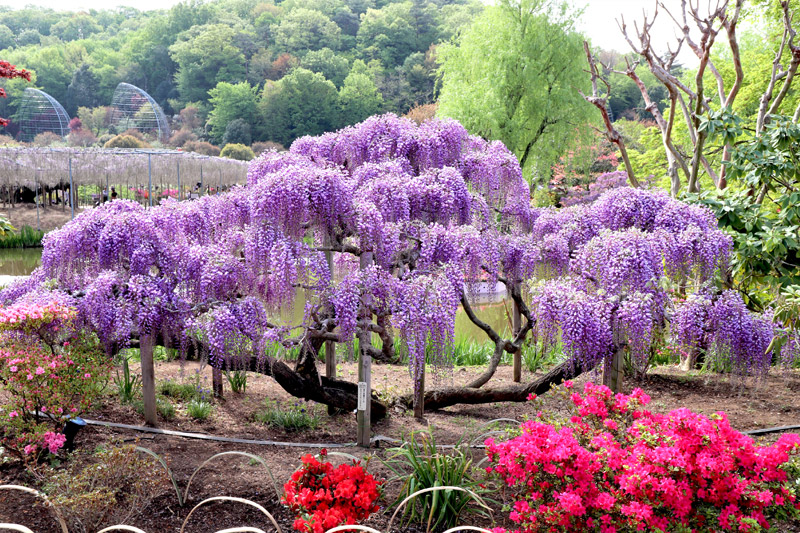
x=766, y=431
x=377, y=439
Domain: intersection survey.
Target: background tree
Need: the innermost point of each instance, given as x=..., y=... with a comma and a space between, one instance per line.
x=206, y=57
x=301, y=103
x=237, y=132
x=358, y=98
x=230, y=102
x=325, y=61
x=513, y=76
x=388, y=34
x=306, y=29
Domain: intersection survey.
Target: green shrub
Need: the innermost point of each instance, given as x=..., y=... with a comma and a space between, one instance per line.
x=237, y=151
x=294, y=418
x=26, y=238
x=125, y=141
x=165, y=409
x=199, y=409
x=423, y=466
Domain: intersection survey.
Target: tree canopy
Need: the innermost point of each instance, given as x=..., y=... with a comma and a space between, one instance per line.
x=513, y=76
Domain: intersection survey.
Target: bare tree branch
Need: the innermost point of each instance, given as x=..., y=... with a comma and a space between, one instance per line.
x=601, y=103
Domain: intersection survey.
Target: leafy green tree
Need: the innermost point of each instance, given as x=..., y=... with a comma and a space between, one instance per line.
x=6, y=37
x=325, y=61
x=388, y=34
x=358, y=98
x=78, y=26
x=205, y=57
x=94, y=119
x=230, y=102
x=300, y=103
x=514, y=76
x=237, y=132
x=304, y=29
x=83, y=91
x=29, y=37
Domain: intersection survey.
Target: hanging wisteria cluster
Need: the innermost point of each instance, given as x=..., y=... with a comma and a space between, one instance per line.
x=422, y=211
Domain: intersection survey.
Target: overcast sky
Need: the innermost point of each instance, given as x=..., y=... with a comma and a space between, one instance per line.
x=598, y=22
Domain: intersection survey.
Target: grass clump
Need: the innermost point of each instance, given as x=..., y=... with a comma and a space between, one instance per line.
x=199, y=409
x=297, y=417
x=178, y=391
x=422, y=466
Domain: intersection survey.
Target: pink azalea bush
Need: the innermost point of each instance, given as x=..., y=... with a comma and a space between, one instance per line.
x=615, y=467
x=50, y=373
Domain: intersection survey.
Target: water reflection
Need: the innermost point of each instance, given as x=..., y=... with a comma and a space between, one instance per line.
x=19, y=261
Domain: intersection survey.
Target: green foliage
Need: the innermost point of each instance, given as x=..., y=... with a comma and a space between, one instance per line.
x=326, y=62
x=128, y=385
x=387, y=34
x=231, y=102
x=237, y=379
x=535, y=359
x=26, y=238
x=125, y=141
x=237, y=151
x=765, y=233
x=206, y=56
x=178, y=391
x=297, y=417
x=199, y=409
x=302, y=103
x=110, y=486
x=358, y=98
x=237, y=132
x=421, y=465
x=306, y=29
x=513, y=75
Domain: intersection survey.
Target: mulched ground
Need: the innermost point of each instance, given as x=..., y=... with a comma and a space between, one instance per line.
x=773, y=402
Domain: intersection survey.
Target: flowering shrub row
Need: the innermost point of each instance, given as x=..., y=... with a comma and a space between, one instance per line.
x=615, y=467
x=50, y=372
x=323, y=497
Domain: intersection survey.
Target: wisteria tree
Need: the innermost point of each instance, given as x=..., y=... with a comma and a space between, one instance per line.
x=412, y=216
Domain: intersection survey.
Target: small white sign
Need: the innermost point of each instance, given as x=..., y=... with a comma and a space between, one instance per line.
x=362, y=395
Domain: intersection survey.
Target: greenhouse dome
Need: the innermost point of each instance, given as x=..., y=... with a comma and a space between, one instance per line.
x=40, y=113
x=134, y=109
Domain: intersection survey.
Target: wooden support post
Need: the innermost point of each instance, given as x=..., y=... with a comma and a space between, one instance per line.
x=613, y=370
x=419, y=395
x=364, y=407
x=148, y=380
x=216, y=382
x=330, y=346
x=71, y=192
x=364, y=399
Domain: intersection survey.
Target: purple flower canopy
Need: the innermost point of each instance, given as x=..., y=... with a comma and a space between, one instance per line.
x=427, y=208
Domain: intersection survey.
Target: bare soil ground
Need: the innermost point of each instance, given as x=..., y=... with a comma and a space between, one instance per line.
x=773, y=402
x=50, y=218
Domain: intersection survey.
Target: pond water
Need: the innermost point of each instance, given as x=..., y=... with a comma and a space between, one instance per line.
x=488, y=307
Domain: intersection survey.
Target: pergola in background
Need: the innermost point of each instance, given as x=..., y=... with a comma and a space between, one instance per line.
x=146, y=175
x=39, y=113
x=132, y=108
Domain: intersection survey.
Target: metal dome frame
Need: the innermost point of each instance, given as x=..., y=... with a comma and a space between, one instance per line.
x=128, y=102
x=41, y=113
